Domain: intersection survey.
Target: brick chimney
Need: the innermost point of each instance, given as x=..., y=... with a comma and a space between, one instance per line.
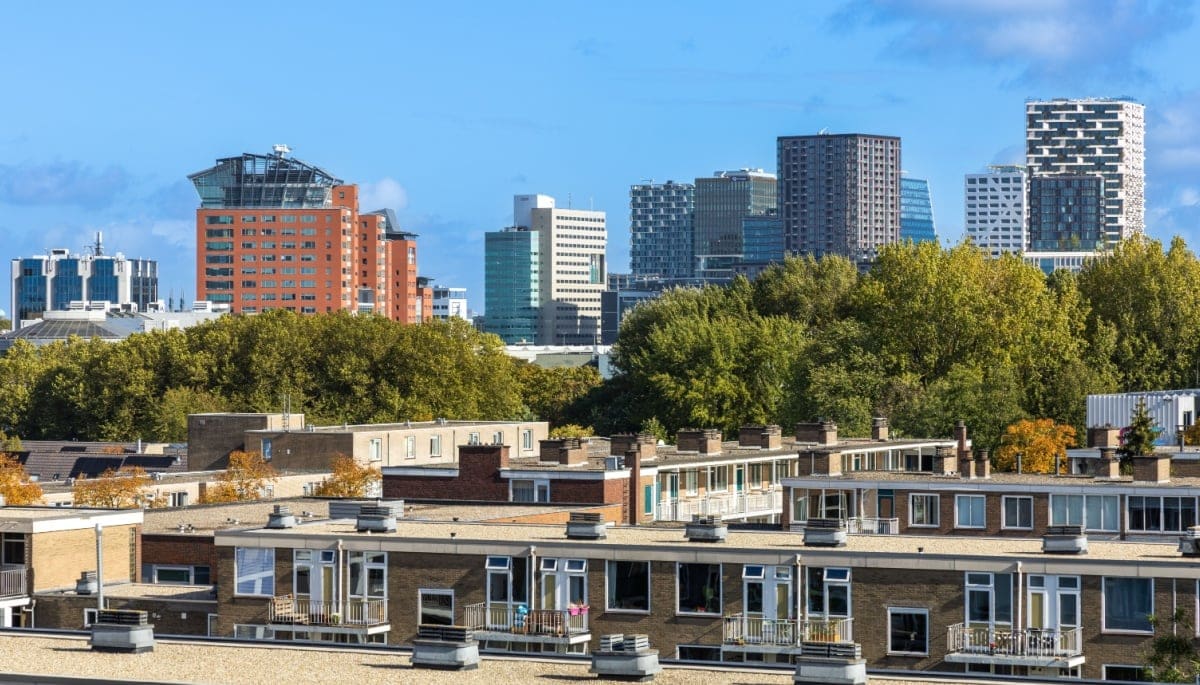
x=945, y=462
x=1152, y=468
x=700, y=440
x=1104, y=436
x=819, y=462
x=983, y=464
x=879, y=429
x=1110, y=465
x=481, y=462
x=761, y=437
x=821, y=432
x=645, y=443
x=966, y=465
x=565, y=451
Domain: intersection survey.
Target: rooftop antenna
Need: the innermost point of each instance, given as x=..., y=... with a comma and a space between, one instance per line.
x=281, y=150
x=287, y=411
x=98, y=248
x=823, y=132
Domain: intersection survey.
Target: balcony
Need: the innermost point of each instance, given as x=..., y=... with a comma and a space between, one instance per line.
x=1020, y=647
x=740, y=629
x=12, y=582
x=354, y=614
x=517, y=623
x=725, y=505
x=872, y=525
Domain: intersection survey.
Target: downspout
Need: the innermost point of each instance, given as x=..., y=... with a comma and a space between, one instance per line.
x=343, y=580
x=533, y=573
x=99, y=568
x=1020, y=595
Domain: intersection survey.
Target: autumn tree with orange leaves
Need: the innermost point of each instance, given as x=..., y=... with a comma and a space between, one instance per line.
x=349, y=479
x=245, y=480
x=15, y=486
x=126, y=488
x=1041, y=443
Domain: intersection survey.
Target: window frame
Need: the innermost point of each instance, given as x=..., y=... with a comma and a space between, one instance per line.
x=421, y=592
x=959, y=510
x=720, y=595
x=609, y=589
x=891, y=611
x=936, y=509
x=1104, y=629
x=1019, y=499
x=237, y=575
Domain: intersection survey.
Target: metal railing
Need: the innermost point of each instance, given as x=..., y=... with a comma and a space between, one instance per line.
x=12, y=582
x=518, y=619
x=355, y=612
x=873, y=525
x=1021, y=642
x=761, y=503
x=754, y=630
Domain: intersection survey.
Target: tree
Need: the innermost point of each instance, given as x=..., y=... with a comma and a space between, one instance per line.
x=245, y=480
x=571, y=430
x=15, y=486
x=1138, y=438
x=349, y=479
x=550, y=392
x=1041, y=444
x=114, y=489
x=1173, y=657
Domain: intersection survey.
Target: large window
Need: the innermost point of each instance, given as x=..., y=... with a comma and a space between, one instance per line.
x=799, y=505
x=1128, y=604
x=368, y=575
x=969, y=511
x=924, y=510
x=1161, y=514
x=908, y=631
x=718, y=479
x=628, y=585
x=254, y=571
x=177, y=575
x=1018, y=512
x=829, y=591
x=436, y=607
x=699, y=588
x=691, y=483
x=13, y=551
x=507, y=580
x=1093, y=512
x=989, y=599
x=528, y=490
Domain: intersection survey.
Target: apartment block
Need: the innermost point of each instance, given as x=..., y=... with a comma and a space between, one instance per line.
x=660, y=230
x=1097, y=138
x=450, y=303
x=839, y=194
x=996, y=216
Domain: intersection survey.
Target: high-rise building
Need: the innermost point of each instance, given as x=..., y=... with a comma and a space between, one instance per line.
x=916, y=211
x=512, y=278
x=839, y=194
x=273, y=232
x=571, y=247
x=723, y=201
x=660, y=230
x=450, y=303
x=1099, y=138
x=763, y=243
x=1068, y=212
x=995, y=211
x=52, y=282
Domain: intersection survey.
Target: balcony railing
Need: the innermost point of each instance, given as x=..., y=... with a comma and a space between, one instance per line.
x=726, y=505
x=355, y=612
x=740, y=629
x=1003, y=642
x=12, y=582
x=872, y=525
x=519, y=620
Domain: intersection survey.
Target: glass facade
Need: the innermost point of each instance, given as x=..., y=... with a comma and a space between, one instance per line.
x=264, y=181
x=66, y=285
x=52, y=282
x=1066, y=213
x=722, y=202
x=30, y=291
x=660, y=230
x=762, y=239
x=102, y=284
x=511, y=289
x=916, y=211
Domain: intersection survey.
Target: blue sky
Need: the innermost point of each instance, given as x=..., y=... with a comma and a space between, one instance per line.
x=443, y=111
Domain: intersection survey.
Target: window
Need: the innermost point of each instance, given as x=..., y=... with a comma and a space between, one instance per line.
x=12, y=553
x=410, y=447
x=1094, y=512
x=172, y=575
x=698, y=588
x=498, y=438
x=529, y=490
x=829, y=591
x=436, y=607
x=699, y=653
x=368, y=575
x=1123, y=672
x=473, y=438
x=435, y=446
x=691, y=482
x=799, y=505
x=1128, y=604
x=628, y=585
x=989, y=598
x=1161, y=514
x=969, y=511
x=1018, y=512
x=924, y=510
x=266, y=449
x=507, y=581
x=375, y=449
x=908, y=631
x=90, y=616
x=254, y=571
x=526, y=439
x=718, y=479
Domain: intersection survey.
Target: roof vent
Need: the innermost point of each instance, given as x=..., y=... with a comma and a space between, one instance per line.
x=586, y=526
x=1064, y=540
x=87, y=583
x=705, y=529
x=1189, y=542
x=825, y=533
x=281, y=517
x=373, y=519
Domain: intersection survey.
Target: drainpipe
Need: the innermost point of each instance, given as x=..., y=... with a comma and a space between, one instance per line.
x=344, y=581
x=1020, y=595
x=533, y=573
x=801, y=596
x=99, y=568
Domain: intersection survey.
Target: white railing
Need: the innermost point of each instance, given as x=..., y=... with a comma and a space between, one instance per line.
x=518, y=619
x=12, y=582
x=872, y=525
x=754, y=630
x=762, y=503
x=287, y=609
x=1028, y=642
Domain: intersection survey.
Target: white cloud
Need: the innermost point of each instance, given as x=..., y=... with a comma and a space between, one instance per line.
x=386, y=193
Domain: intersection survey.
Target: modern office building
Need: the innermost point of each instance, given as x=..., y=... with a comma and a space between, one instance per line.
x=572, y=245
x=916, y=211
x=660, y=230
x=273, y=232
x=722, y=202
x=1099, y=138
x=53, y=282
x=839, y=194
x=450, y=303
x=995, y=211
x=512, y=282
x=1066, y=213
x=763, y=243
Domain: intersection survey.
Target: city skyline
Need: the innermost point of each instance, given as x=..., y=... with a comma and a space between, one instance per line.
x=88, y=151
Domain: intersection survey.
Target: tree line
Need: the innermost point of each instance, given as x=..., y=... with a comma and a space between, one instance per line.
x=927, y=336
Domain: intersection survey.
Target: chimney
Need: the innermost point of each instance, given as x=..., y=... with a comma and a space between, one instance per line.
x=760, y=437
x=822, y=432
x=1104, y=436
x=1110, y=465
x=879, y=429
x=1152, y=468
x=645, y=443
x=983, y=464
x=966, y=465
x=489, y=457
x=700, y=440
x=281, y=517
x=945, y=462
x=565, y=451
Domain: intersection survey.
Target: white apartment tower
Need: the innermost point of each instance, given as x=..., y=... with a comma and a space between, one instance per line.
x=1071, y=143
x=996, y=215
x=571, y=247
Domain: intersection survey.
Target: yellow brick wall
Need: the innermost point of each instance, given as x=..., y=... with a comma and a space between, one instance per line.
x=59, y=557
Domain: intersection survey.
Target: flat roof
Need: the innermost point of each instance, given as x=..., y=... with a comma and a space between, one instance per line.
x=45, y=519
x=187, y=593
x=403, y=425
x=255, y=663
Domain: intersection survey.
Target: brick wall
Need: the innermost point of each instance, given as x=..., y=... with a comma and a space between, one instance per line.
x=873, y=590
x=65, y=612
x=57, y=558
x=187, y=550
